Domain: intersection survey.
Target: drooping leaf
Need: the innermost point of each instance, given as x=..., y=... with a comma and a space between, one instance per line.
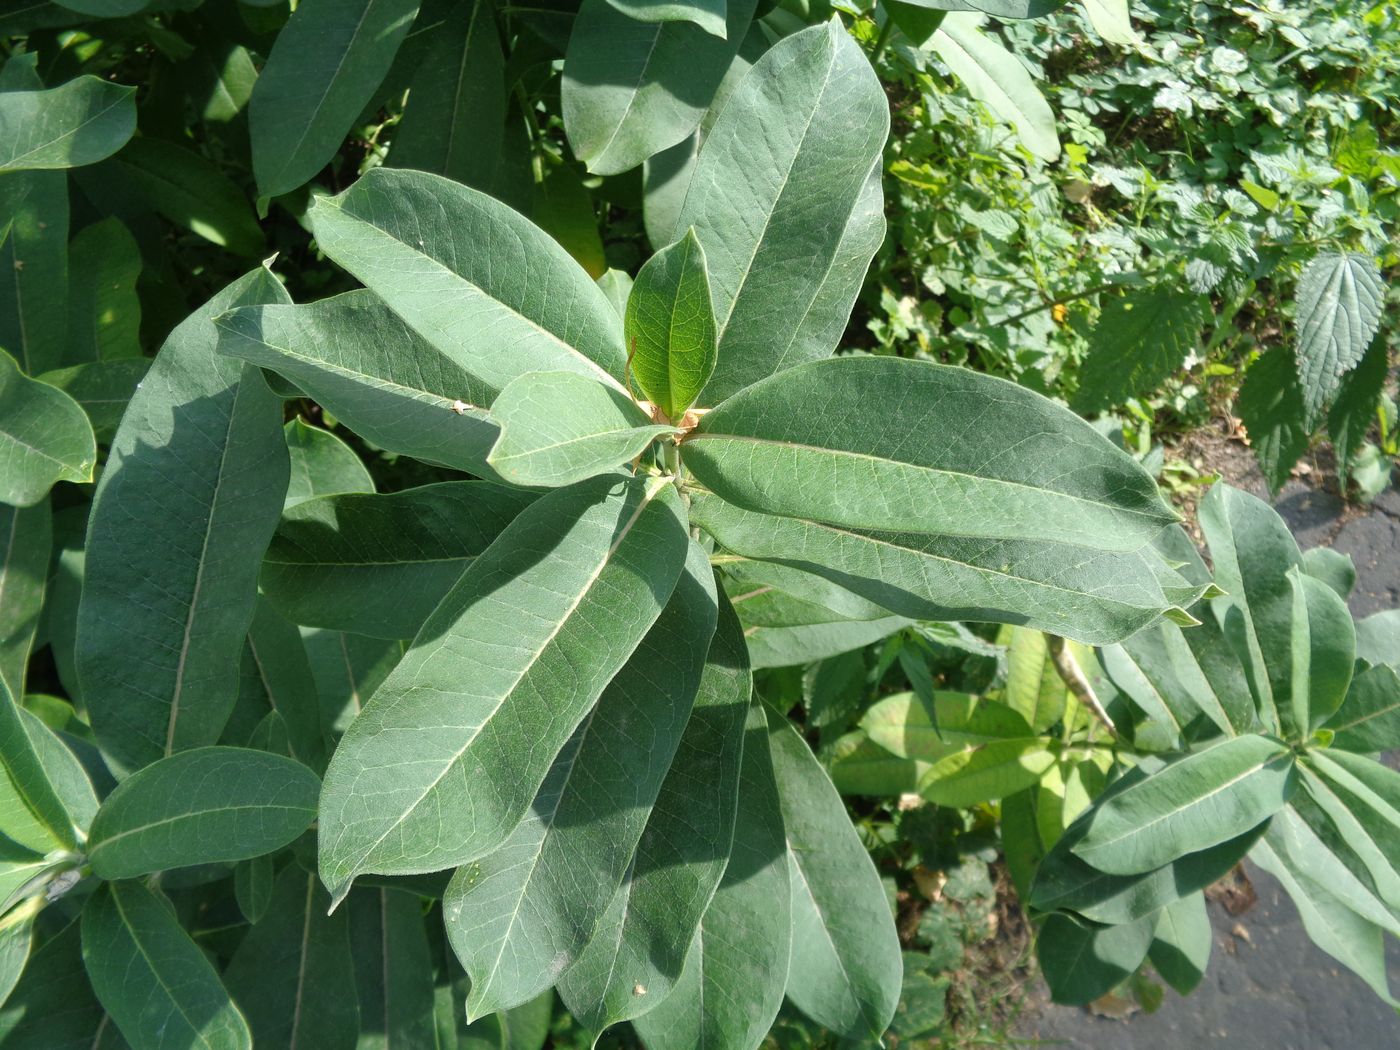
x=206, y=805
x=1082, y=961
x=321, y=464
x=45, y=437
x=560, y=427
x=731, y=986
x=947, y=451
x=1270, y=405
x=1198, y=800
x=846, y=967
x=1181, y=943
x=379, y=564
x=79, y=122
x=326, y=64
x=1142, y=338
x=171, y=569
x=670, y=326
x=26, y=536
x=490, y=290
x=105, y=323
x=519, y=650
x=521, y=914
x=160, y=989
x=643, y=937
x=1340, y=297
x=1034, y=689
x=362, y=363
x=783, y=285
x=292, y=975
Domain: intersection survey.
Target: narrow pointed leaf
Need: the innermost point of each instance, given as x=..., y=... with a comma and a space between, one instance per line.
x=560, y=427
x=188, y=500
x=160, y=989
x=209, y=805
x=292, y=974
x=393, y=970
x=808, y=122
x=379, y=564
x=76, y=123
x=846, y=965
x=325, y=66
x=480, y=282
x=1340, y=297
x=45, y=437
x=36, y=817
x=281, y=667
x=26, y=537
x=507, y=665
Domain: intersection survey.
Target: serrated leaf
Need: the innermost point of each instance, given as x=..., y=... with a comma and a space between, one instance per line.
x=1340, y=298
x=846, y=967
x=519, y=649
x=203, y=806
x=160, y=989
x=557, y=428
x=393, y=970
x=783, y=286
x=480, y=282
x=326, y=64
x=190, y=495
x=79, y=122
x=1141, y=339
x=379, y=564
x=670, y=326
x=1353, y=408
x=321, y=464
x=45, y=437
x=1270, y=405
x=26, y=538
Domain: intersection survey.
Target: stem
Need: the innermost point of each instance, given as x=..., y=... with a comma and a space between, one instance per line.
x=1062, y=300
x=882, y=39
x=1073, y=676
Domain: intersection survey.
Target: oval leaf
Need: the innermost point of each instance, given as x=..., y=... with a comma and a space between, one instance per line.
x=77, y=123
x=670, y=326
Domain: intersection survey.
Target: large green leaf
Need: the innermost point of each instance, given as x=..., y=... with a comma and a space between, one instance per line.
x=859, y=766
x=1034, y=688
x=45, y=437
x=987, y=771
x=1092, y=597
x=189, y=498
x=1142, y=338
x=76, y=123
x=1198, y=800
x=326, y=64
x=1323, y=651
x=489, y=289
x=1358, y=827
x=707, y=14
x=34, y=266
x=1340, y=298
x=731, y=986
x=293, y=975
x=670, y=326
x=159, y=988
x=644, y=935
x=846, y=967
x=519, y=915
x=498, y=678
x=633, y=88
x=907, y=725
x=204, y=806
x=53, y=1007
x=911, y=446
x=26, y=537
x=1181, y=943
x=995, y=77
x=360, y=361
x=393, y=970
x=1081, y=961
x=35, y=815
x=807, y=124
x=561, y=427
x=378, y=564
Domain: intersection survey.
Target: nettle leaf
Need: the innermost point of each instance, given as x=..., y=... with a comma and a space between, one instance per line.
x=292, y=974
x=1181, y=943
x=1340, y=299
x=488, y=288
x=204, y=806
x=1082, y=962
x=846, y=966
x=905, y=446
x=190, y=495
x=393, y=970
x=632, y=88
x=670, y=326
x=709, y=15
x=374, y=373
x=516, y=654
x=995, y=77
x=321, y=464
x=561, y=427
x=325, y=66
x=1142, y=338
x=45, y=437
x=1369, y=717
x=158, y=986
x=26, y=541
x=1196, y=801
x=1270, y=405
x=520, y=915
x=379, y=564
x=645, y=934
x=807, y=123
x=731, y=987
x=77, y=123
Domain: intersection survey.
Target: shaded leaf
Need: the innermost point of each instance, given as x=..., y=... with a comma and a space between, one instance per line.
x=79, y=122
x=45, y=437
